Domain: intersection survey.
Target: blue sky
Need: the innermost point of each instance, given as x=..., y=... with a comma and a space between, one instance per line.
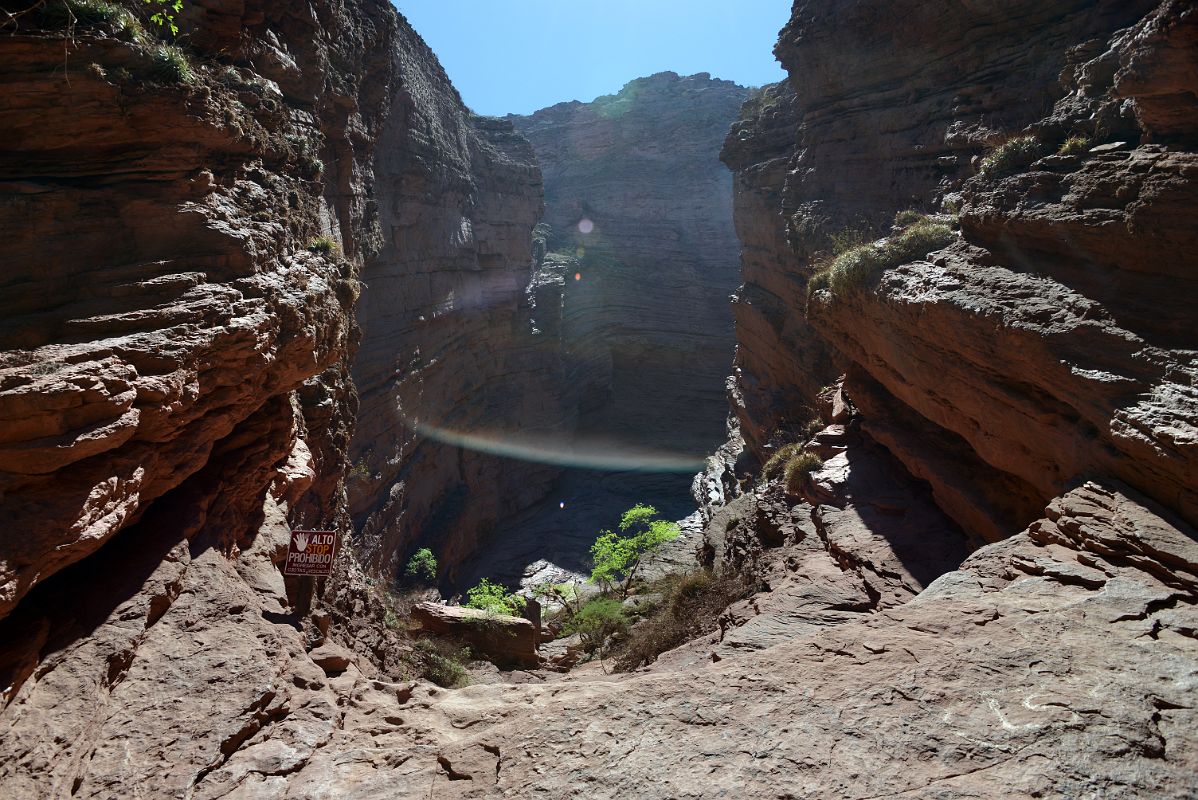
x=516, y=56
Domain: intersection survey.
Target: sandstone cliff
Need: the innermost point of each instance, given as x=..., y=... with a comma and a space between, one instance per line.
x=646, y=326
x=449, y=347
x=181, y=273
x=188, y=228
x=1049, y=344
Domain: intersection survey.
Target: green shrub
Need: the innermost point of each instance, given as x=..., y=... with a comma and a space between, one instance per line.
x=169, y=64
x=916, y=241
x=818, y=281
x=1074, y=145
x=904, y=218
x=853, y=267
x=792, y=463
x=618, y=556
x=324, y=246
x=691, y=606
x=597, y=622
x=812, y=427
x=845, y=240
x=777, y=462
x=495, y=598
x=422, y=566
x=441, y=662
x=1012, y=156
x=797, y=468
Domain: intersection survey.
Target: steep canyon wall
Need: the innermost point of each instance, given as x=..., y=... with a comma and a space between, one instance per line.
x=190, y=230
x=646, y=328
x=449, y=347
x=1050, y=343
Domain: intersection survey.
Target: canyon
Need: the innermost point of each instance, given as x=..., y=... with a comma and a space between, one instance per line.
x=295, y=282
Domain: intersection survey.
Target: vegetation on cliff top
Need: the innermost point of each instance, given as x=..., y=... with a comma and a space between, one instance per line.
x=1011, y=156
x=849, y=268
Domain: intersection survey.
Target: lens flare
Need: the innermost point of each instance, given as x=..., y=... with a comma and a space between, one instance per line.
x=582, y=452
x=577, y=276
x=585, y=225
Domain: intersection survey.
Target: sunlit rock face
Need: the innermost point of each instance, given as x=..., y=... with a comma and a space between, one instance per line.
x=180, y=272
x=450, y=351
x=635, y=191
x=1051, y=343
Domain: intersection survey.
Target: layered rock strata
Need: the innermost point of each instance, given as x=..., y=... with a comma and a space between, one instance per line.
x=450, y=352
x=172, y=331
x=188, y=230
x=1050, y=344
x=634, y=191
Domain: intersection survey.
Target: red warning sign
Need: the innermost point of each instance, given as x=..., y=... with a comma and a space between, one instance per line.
x=311, y=553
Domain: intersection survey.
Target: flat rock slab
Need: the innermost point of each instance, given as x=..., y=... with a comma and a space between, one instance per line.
x=507, y=641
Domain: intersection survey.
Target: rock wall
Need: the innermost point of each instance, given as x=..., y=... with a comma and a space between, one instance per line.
x=165, y=313
x=1049, y=344
x=449, y=347
x=648, y=315
x=187, y=230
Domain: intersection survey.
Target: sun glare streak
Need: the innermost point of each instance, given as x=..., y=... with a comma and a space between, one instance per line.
x=583, y=453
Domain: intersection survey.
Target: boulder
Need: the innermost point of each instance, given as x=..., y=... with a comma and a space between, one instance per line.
x=332, y=658
x=507, y=641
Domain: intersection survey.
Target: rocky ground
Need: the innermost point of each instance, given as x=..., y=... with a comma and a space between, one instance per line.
x=987, y=586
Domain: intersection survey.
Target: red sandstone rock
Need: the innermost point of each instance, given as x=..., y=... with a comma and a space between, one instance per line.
x=651, y=308
x=507, y=641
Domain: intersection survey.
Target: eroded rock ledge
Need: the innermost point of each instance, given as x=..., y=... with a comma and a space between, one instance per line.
x=1051, y=343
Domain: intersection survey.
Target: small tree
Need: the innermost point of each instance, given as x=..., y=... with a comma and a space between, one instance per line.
x=597, y=622
x=617, y=555
x=422, y=566
x=495, y=598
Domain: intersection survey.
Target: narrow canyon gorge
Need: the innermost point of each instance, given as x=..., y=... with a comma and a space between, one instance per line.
x=907, y=342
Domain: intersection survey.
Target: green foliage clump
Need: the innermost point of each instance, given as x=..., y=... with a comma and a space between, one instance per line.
x=163, y=13
x=442, y=662
x=908, y=217
x=853, y=267
x=1012, y=156
x=1074, y=146
x=797, y=468
x=793, y=463
x=916, y=241
x=169, y=64
x=615, y=555
x=84, y=14
x=844, y=240
x=324, y=246
x=597, y=622
x=777, y=462
x=691, y=606
x=422, y=566
x=493, y=597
